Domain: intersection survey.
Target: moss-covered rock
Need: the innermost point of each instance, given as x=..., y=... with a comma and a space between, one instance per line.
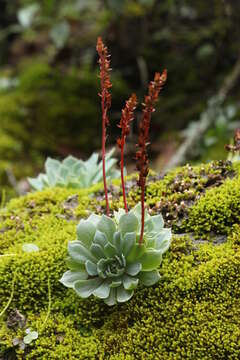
x=177, y=194
x=192, y=313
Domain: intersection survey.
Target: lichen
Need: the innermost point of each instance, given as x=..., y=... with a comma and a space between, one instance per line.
x=192, y=313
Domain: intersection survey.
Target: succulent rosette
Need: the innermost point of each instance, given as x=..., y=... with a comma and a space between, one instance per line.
x=107, y=260
x=75, y=173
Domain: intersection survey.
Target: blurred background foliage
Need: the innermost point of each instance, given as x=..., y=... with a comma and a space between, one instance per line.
x=48, y=74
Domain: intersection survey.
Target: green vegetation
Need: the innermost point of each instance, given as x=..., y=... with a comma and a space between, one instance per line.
x=48, y=87
x=49, y=107
x=191, y=313
x=37, y=118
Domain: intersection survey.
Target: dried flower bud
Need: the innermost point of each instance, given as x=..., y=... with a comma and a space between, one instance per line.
x=236, y=146
x=105, y=69
x=126, y=118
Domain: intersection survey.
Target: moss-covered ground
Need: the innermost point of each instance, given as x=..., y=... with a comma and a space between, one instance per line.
x=192, y=313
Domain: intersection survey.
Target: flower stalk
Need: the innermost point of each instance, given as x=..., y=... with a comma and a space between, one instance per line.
x=143, y=139
x=106, y=98
x=126, y=118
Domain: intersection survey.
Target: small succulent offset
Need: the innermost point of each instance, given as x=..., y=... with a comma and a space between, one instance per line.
x=107, y=260
x=114, y=254
x=31, y=335
x=75, y=173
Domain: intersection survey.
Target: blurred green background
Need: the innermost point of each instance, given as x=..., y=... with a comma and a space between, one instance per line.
x=48, y=76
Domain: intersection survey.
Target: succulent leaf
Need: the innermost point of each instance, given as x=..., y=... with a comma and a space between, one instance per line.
x=86, y=232
x=151, y=259
x=110, y=154
x=100, y=238
x=134, y=268
x=85, y=288
x=129, y=240
x=157, y=223
x=149, y=278
x=130, y=283
x=136, y=252
x=112, y=299
x=91, y=268
x=118, y=214
x=70, y=277
x=110, y=250
x=103, y=290
x=79, y=253
x=36, y=183
x=52, y=165
x=31, y=335
x=163, y=240
x=107, y=226
x=123, y=295
x=77, y=168
x=64, y=174
x=137, y=211
x=115, y=284
x=94, y=218
x=74, y=265
x=92, y=161
x=69, y=161
x=97, y=251
x=118, y=241
x=128, y=223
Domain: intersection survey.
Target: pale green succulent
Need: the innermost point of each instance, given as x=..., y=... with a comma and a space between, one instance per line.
x=75, y=173
x=107, y=261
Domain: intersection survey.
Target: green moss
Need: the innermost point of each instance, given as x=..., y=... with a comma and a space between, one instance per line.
x=192, y=313
x=175, y=194
x=62, y=338
x=217, y=211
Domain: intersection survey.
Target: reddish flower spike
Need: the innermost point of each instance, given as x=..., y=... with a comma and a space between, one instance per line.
x=143, y=140
x=126, y=118
x=104, y=64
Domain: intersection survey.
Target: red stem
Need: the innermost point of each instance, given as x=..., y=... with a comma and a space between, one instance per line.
x=122, y=179
x=104, y=151
x=143, y=212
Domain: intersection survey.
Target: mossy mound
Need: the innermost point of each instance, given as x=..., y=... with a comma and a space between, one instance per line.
x=178, y=192
x=192, y=313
